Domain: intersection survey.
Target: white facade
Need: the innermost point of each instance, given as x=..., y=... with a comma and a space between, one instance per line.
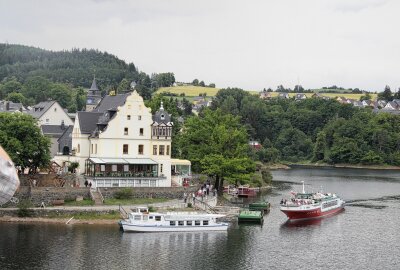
x=55, y=115
x=127, y=136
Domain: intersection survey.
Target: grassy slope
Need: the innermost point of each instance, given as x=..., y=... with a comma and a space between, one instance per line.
x=194, y=91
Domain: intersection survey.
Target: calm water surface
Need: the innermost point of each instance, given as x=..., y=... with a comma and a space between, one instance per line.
x=365, y=236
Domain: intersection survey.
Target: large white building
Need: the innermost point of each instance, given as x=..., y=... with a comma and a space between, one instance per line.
x=121, y=144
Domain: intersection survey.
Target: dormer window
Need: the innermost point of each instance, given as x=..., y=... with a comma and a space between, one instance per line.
x=55, y=109
x=126, y=131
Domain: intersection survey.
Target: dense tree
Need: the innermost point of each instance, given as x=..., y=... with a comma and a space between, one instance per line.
x=202, y=84
x=216, y=143
x=10, y=86
x=195, y=82
x=21, y=137
x=386, y=94
x=16, y=98
x=62, y=93
x=212, y=85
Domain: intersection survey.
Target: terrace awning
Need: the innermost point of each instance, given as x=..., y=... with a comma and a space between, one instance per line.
x=145, y=161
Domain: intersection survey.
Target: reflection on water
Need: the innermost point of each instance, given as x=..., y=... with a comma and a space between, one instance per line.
x=364, y=236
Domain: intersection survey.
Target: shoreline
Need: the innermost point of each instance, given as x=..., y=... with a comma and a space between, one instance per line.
x=347, y=166
x=10, y=219
x=288, y=166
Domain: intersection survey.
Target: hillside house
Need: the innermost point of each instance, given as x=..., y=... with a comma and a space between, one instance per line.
x=265, y=94
x=9, y=106
x=300, y=96
x=283, y=95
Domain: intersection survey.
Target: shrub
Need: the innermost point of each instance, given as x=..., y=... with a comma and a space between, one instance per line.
x=24, y=209
x=123, y=194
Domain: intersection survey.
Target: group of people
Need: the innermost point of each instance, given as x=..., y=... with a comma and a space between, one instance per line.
x=88, y=184
x=204, y=191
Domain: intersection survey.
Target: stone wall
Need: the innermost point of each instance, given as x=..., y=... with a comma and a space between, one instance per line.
x=50, y=194
x=151, y=192
x=37, y=195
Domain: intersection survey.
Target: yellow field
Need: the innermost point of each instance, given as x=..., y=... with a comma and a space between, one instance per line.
x=194, y=91
x=190, y=90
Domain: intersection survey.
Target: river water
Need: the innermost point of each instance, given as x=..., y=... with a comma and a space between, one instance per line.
x=365, y=236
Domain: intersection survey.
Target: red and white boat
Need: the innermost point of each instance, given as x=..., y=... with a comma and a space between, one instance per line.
x=303, y=206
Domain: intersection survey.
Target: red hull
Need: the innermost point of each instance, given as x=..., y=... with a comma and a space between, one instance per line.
x=310, y=214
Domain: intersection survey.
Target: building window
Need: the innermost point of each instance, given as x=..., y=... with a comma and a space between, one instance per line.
x=95, y=148
x=139, y=117
x=55, y=109
x=129, y=107
x=126, y=168
x=114, y=168
x=167, y=150
x=92, y=148
x=47, y=120
x=126, y=131
x=161, y=168
x=161, y=152
x=125, y=149
x=154, y=149
x=128, y=117
x=140, y=149
x=102, y=168
x=79, y=148
x=141, y=132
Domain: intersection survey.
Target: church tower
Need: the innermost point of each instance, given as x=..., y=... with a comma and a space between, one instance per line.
x=93, y=96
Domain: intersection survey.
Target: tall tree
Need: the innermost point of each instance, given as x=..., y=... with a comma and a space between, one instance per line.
x=218, y=139
x=21, y=137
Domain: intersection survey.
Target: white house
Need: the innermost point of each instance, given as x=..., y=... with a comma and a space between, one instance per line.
x=50, y=113
x=53, y=121
x=121, y=144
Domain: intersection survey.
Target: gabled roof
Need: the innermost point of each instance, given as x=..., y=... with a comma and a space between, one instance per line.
x=39, y=109
x=111, y=102
x=88, y=121
x=12, y=107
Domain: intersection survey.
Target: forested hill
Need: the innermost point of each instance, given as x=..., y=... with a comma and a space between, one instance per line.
x=74, y=67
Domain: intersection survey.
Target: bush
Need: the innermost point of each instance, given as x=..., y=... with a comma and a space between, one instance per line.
x=24, y=209
x=123, y=194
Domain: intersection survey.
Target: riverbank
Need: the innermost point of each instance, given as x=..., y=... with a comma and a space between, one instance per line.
x=349, y=166
x=9, y=219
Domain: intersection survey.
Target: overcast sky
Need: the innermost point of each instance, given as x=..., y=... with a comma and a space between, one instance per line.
x=248, y=44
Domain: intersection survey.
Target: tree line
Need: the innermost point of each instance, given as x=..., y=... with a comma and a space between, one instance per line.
x=27, y=72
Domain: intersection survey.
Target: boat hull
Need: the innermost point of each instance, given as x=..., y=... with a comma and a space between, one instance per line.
x=128, y=227
x=311, y=213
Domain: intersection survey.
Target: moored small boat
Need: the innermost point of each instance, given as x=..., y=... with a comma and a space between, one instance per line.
x=260, y=206
x=303, y=206
x=251, y=216
x=141, y=220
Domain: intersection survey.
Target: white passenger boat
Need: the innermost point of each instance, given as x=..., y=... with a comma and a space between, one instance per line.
x=141, y=220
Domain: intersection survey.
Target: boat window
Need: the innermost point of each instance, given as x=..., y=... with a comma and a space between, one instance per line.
x=197, y=223
x=205, y=222
x=158, y=218
x=146, y=218
x=189, y=223
x=180, y=222
x=137, y=217
x=172, y=223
